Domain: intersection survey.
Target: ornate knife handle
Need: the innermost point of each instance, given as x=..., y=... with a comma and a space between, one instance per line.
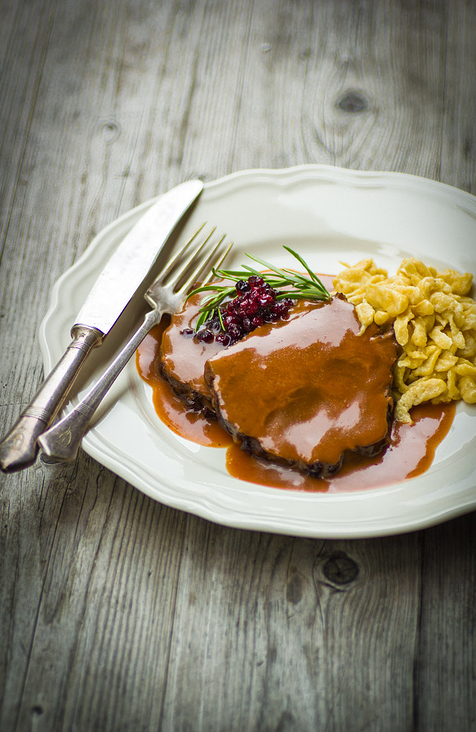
x=19, y=447
x=61, y=442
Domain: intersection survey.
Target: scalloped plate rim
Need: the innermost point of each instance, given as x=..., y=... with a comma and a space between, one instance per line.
x=175, y=493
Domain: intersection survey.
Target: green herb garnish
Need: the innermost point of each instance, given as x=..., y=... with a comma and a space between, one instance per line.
x=284, y=281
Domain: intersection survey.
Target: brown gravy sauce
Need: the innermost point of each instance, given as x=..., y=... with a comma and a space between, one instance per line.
x=169, y=407
x=309, y=388
x=410, y=453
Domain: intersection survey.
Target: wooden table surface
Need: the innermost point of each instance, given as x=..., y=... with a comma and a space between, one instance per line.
x=118, y=613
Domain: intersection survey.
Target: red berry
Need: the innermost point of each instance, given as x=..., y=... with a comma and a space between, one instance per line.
x=280, y=309
x=204, y=336
x=255, y=281
x=230, y=320
x=247, y=326
x=243, y=286
x=223, y=338
x=249, y=307
x=235, y=332
x=266, y=299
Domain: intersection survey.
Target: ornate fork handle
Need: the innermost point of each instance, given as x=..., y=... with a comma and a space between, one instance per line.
x=19, y=447
x=61, y=442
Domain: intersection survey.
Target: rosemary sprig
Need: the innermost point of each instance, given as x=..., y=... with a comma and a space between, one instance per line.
x=286, y=282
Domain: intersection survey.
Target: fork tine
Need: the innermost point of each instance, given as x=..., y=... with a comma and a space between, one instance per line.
x=201, y=266
x=173, y=261
x=177, y=276
x=218, y=263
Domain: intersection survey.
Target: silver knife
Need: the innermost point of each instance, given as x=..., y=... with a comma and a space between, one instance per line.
x=118, y=282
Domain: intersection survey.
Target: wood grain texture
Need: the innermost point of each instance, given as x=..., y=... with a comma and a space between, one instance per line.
x=117, y=613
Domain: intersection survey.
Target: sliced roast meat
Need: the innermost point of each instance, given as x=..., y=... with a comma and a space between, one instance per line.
x=182, y=358
x=307, y=391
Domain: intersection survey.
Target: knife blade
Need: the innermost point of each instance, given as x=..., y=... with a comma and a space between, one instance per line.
x=113, y=290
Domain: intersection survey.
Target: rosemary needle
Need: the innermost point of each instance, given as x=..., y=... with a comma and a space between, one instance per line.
x=285, y=282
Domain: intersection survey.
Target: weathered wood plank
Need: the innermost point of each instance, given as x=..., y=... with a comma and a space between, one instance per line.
x=446, y=657
x=458, y=147
x=295, y=624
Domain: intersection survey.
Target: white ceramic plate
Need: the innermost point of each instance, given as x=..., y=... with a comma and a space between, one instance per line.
x=329, y=215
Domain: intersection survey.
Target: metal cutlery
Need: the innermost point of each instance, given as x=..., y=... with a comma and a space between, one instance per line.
x=166, y=295
x=116, y=285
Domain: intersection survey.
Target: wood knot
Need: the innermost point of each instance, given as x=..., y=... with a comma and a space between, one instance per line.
x=353, y=103
x=294, y=589
x=340, y=569
x=110, y=131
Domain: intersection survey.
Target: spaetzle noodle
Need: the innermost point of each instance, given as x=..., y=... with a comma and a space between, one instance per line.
x=434, y=320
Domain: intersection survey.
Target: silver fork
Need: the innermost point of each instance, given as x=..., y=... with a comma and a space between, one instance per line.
x=166, y=294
